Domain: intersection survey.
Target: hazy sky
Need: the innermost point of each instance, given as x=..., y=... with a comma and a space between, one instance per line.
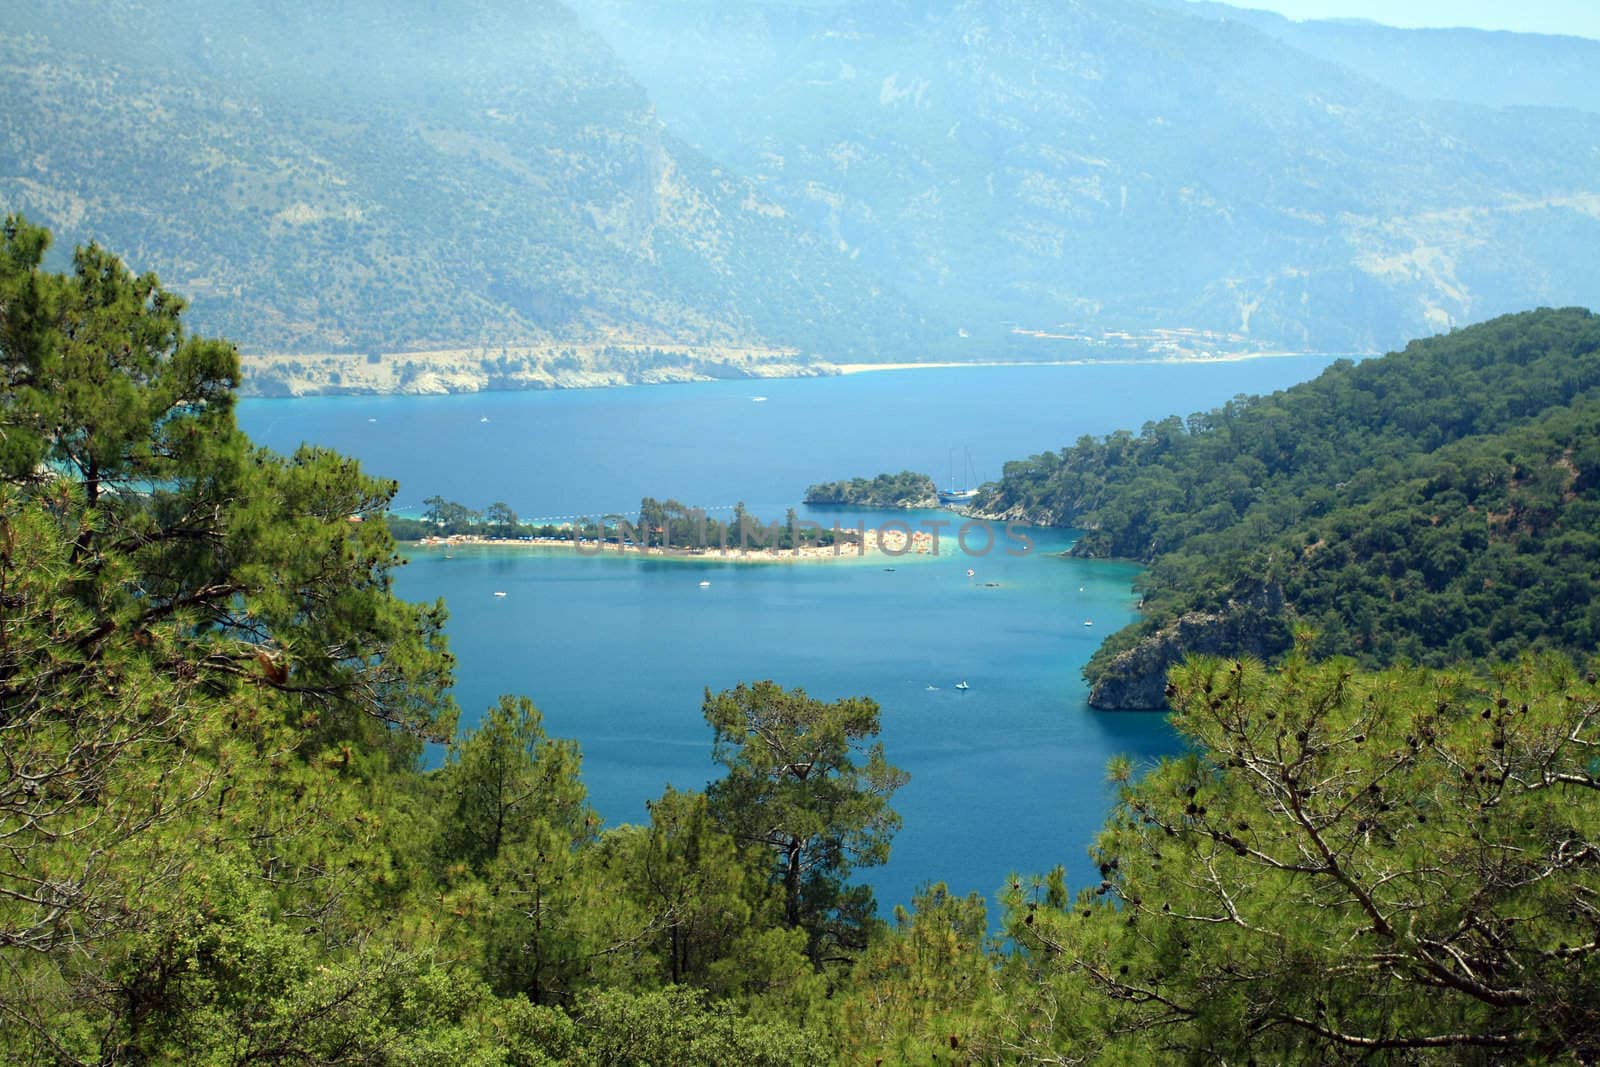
x=1577, y=17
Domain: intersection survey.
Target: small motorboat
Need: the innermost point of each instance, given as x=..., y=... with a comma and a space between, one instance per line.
x=1088, y=622
x=963, y=685
x=498, y=593
x=704, y=584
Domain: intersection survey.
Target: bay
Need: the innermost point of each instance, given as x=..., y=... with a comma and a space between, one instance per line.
x=1007, y=776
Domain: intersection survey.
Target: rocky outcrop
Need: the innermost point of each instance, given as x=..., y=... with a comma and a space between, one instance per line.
x=1254, y=623
x=993, y=508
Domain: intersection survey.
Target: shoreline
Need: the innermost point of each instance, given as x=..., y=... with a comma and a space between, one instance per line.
x=265, y=377
x=1225, y=357
x=876, y=544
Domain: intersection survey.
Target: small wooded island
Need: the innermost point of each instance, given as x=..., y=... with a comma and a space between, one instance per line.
x=907, y=489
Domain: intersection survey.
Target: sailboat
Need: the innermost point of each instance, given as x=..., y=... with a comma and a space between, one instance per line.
x=968, y=492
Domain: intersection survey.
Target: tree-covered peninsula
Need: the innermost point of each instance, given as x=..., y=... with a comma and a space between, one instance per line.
x=665, y=526
x=219, y=843
x=1436, y=504
x=907, y=489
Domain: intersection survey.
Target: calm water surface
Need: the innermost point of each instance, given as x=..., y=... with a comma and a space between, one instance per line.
x=1006, y=776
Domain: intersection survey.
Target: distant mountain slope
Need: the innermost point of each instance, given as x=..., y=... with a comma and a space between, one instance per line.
x=1439, y=503
x=1106, y=165
x=368, y=177
x=1483, y=67
x=962, y=179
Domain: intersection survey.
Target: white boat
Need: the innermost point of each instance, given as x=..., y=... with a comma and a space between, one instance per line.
x=704, y=584
x=968, y=492
x=498, y=593
x=484, y=419
x=758, y=400
x=1088, y=622
x=963, y=685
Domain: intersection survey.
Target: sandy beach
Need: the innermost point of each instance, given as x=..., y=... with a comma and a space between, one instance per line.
x=877, y=543
x=1215, y=357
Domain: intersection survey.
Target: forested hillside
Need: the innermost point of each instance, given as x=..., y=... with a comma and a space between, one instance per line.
x=221, y=846
x=1439, y=503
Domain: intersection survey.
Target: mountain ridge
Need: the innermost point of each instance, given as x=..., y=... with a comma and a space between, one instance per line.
x=847, y=182
x=1494, y=68
x=508, y=186
x=1113, y=165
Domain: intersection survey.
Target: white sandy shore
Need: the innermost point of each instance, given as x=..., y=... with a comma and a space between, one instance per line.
x=1220, y=357
x=887, y=544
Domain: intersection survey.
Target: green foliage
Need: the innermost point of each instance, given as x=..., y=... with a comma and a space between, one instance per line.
x=675, y=1026
x=516, y=843
x=1431, y=505
x=1397, y=864
x=449, y=516
x=203, y=674
x=222, y=980
x=220, y=848
x=904, y=490
x=687, y=876
x=923, y=990
x=501, y=519
x=504, y=781
x=1487, y=549
x=123, y=428
x=219, y=845
x=795, y=787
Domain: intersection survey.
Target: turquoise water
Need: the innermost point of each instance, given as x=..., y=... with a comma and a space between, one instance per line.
x=617, y=651
x=709, y=443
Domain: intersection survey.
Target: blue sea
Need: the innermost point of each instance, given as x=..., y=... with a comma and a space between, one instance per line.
x=1007, y=776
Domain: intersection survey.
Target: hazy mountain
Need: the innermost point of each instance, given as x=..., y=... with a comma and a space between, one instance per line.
x=1105, y=164
x=368, y=176
x=848, y=179
x=1485, y=67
